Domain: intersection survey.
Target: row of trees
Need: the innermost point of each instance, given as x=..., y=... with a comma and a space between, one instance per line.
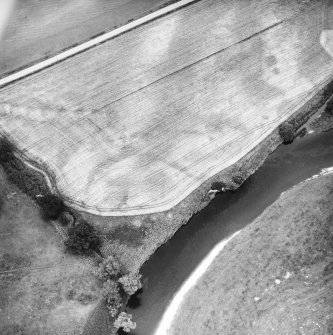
x=82, y=237
x=117, y=287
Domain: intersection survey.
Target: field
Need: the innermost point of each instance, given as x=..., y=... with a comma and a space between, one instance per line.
x=275, y=276
x=134, y=125
x=40, y=29
x=43, y=289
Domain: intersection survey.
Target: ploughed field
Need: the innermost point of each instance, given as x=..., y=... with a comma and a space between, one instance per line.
x=40, y=29
x=134, y=125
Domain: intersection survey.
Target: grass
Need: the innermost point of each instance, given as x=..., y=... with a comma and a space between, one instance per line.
x=270, y=276
x=44, y=289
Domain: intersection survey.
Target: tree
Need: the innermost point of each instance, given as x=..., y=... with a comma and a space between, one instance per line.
x=131, y=283
x=287, y=132
x=81, y=238
x=125, y=322
x=109, y=268
x=52, y=206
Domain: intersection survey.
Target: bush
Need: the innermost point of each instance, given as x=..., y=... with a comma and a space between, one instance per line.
x=131, y=283
x=113, y=303
x=82, y=238
x=112, y=296
x=125, y=322
x=25, y=179
x=238, y=179
x=109, y=268
x=51, y=205
x=67, y=219
x=287, y=132
x=30, y=182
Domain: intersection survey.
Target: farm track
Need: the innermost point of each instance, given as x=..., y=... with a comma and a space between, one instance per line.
x=40, y=30
x=134, y=125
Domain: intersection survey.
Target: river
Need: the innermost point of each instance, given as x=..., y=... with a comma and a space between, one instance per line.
x=172, y=263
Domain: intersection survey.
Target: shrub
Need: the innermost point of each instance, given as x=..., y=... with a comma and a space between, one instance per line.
x=113, y=304
x=109, y=268
x=51, y=205
x=125, y=322
x=25, y=179
x=238, y=179
x=131, y=283
x=67, y=219
x=287, y=132
x=82, y=238
x=30, y=184
x=112, y=296
x=110, y=288
x=329, y=107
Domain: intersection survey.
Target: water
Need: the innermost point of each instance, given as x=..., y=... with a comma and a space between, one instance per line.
x=172, y=263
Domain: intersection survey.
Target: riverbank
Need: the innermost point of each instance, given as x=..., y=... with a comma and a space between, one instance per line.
x=275, y=276
x=98, y=318
x=132, y=242
x=135, y=238
x=97, y=311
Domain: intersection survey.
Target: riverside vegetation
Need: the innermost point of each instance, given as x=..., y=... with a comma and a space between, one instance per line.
x=81, y=237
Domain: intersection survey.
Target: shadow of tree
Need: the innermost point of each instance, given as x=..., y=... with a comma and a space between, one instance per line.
x=135, y=300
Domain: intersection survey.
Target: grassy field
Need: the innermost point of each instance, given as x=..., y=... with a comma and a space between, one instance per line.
x=43, y=290
x=275, y=277
x=40, y=29
x=134, y=125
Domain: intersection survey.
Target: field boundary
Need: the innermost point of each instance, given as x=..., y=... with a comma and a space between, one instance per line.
x=72, y=51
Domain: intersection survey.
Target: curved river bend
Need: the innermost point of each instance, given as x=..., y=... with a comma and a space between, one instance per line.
x=229, y=212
